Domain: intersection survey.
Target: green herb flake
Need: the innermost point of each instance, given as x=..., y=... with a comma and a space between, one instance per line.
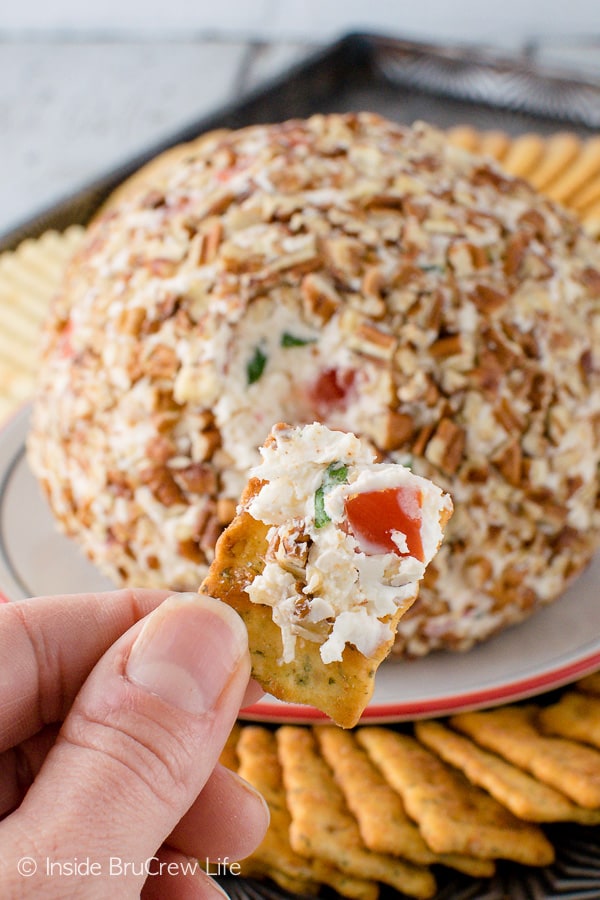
x=336, y=473
x=290, y=340
x=256, y=366
x=433, y=268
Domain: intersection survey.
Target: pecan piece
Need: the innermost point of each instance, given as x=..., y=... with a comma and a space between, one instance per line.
x=487, y=299
x=289, y=547
x=163, y=486
x=446, y=448
x=450, y=345
x=374, y=342
x=162, y=362
x=392, y=429
x=509, y=461
x=198, y=478
x=319, y=297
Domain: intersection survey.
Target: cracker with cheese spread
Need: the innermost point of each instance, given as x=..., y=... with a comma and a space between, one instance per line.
x=324, y=556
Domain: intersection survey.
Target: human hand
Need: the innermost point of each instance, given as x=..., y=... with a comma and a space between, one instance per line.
x=111, y=725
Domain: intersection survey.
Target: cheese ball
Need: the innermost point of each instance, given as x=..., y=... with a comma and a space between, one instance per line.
x=346, y=270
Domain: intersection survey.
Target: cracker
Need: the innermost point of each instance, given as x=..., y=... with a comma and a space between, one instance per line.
x=523, y=155
x=259, y=765
x=229, y=757
x=590, y=220
x=519, y=792
x=294, y=653
x=511, y=732
x=494, y=143
x=575, y=716
x=341, y=689
x=322, y=825
x=587, y=196
x=560, y=150
x=590, y=684
x=384, y=825
x=585, y=166
x=453, y=815
x=465, y=136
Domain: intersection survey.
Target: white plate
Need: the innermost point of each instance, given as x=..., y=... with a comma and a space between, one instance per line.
x=556, y=646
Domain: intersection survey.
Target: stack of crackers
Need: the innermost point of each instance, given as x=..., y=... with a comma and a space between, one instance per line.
x=390, y=806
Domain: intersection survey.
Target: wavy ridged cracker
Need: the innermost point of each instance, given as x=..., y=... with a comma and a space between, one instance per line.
x=519, y=792
x=378, y=808
x=322, y=825
x=511, y=732
x=575, y=716
x=453, y=815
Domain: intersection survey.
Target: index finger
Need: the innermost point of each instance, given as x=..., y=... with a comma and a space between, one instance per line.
x=48, y=647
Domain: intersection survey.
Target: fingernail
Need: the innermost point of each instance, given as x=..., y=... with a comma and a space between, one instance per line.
x=187, y=651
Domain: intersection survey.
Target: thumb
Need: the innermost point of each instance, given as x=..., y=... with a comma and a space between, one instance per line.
x=141, y=739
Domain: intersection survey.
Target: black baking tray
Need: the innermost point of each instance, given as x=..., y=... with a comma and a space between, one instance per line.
x=401, y=79
x=405, y=81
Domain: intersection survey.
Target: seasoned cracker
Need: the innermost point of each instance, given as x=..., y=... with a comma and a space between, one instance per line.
x=229, y=757
x=322, y=825
x=575, y=716
x=464, y=136
x=585, y=166
x=453, y=815
x=587, y=196
x=523, y=155
x=494, y=143
x=563, y=764
x=560, y=151
x=384, y=825
x=259, y=766
x=524, y=796
x=325, y=555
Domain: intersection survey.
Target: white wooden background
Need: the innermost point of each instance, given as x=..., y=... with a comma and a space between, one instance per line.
x=85, y=85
